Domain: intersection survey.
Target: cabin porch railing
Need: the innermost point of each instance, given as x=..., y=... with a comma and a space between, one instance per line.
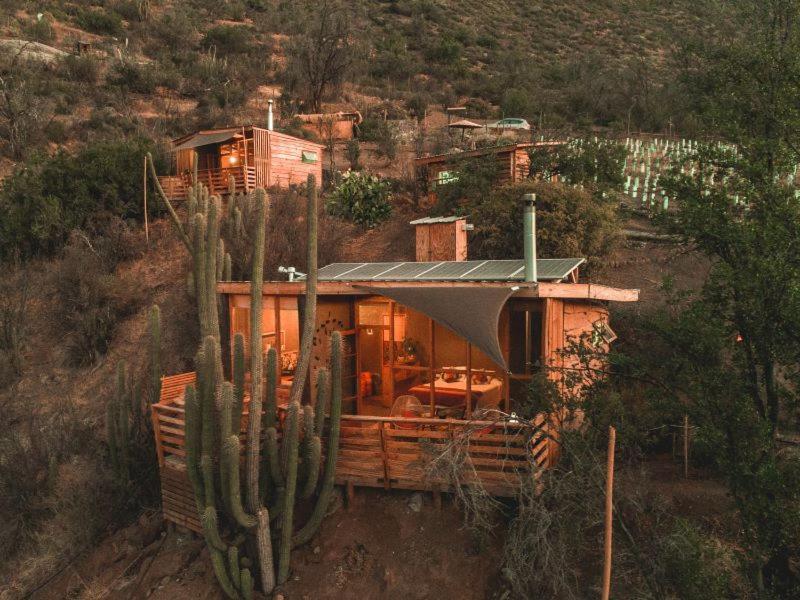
x=381, y=452
x=216, y=180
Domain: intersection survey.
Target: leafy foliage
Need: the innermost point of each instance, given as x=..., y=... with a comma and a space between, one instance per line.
x=361, y=198
x=50, y=196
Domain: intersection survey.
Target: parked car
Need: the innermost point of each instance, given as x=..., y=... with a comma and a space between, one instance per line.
x=510, y=123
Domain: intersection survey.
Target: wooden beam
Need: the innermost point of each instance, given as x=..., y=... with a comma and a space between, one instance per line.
x=576, y=291
x=431, y=369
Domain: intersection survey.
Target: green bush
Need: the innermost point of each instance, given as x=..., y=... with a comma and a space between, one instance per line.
x=133, y=77
x=85, y=69
x=229, y=39
x=571, y=222
x=45, y=199
x=361, y=198
x=101, y=21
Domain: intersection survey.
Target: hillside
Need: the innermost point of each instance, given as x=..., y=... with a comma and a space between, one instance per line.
x=163, y=68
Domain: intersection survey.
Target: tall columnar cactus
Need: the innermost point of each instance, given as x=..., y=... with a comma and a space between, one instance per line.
x=154, y=325
x=214, y=408
x=118, y=414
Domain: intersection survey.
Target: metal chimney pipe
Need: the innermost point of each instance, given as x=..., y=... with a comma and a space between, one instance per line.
x=529, y=237
x=269, y=114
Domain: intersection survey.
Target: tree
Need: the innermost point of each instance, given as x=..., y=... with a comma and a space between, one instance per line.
x=322, y=55
x=23, y=110
x=733, y=345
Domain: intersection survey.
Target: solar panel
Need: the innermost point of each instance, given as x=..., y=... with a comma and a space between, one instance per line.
x=548, y=269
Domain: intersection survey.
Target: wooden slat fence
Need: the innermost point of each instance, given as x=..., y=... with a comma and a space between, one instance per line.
x=382, y=452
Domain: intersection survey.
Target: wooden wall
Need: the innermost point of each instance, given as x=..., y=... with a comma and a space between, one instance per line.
x=285, y=166
x=441, y=241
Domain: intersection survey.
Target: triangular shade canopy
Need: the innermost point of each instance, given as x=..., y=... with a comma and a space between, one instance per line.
x=471, y=312
x=206, y=139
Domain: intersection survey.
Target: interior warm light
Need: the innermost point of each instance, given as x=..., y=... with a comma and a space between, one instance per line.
x=233, y=159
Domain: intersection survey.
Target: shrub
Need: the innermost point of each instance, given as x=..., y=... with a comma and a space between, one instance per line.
x=571, y=222
x=229, y=39
x=45, y=199
x=91, y=300
x=102, y=22
x=133, y=77
x=85, y=69
x=361, y=198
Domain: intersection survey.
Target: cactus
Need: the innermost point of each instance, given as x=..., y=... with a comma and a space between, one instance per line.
x=321, y=506
x=118, y=413
x=310, y=312
x=155, y=353
x=213, y=408
x=287, y=513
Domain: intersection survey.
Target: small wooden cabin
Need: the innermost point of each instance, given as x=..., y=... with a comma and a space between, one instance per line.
x=512, y=160
x=433, y=349
x=341, y=125
x=253, y=156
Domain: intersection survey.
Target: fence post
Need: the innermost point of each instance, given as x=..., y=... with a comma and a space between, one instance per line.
x=612, y=438
x=144, y=195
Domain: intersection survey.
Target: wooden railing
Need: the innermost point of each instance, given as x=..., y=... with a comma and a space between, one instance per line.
x=216, y=180
x=383, y=452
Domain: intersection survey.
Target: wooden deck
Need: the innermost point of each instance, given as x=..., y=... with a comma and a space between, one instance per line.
x=380, y=452
x=216, y=180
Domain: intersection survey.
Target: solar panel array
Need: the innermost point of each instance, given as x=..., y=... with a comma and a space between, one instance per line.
x=548, y=269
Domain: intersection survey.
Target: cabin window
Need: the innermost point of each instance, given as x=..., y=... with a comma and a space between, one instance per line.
x=445, y=177
x=309, y=157
x=403, y=353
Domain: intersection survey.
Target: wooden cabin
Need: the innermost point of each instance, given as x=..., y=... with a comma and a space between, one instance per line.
x=253, y=156
x=433, y=348
x=340, y=125
x=512, y=160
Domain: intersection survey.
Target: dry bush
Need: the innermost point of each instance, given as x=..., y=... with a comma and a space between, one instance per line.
x=14, y=308
x=90, y=299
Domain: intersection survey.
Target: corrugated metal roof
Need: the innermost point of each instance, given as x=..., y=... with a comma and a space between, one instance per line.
x=433, y=220
x=549, y=269
x=205, y=139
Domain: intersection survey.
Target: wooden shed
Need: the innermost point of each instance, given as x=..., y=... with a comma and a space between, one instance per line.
x=512, y=163
x=253, y=156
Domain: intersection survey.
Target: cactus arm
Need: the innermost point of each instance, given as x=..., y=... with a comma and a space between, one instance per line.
x=172, y=214
x=238, y=381
x=219, y=562
x=246, y=584
x=192, y=408
x=273, y=457
x=230, y=457
x=291, y=433
x=210, y=264
x=264, y=546
x=310, y=316
x=323, y=397
x=233, y=567
x=199, y=236
x=313, y=457
x=155, y=354
x=328, y=478
x=254, y=423
x=211, y=529
x=271, y=391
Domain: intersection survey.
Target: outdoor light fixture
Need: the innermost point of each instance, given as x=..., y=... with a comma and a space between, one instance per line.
x=294, y=274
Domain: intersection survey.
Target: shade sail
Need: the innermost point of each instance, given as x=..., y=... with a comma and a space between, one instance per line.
x=206, y=139
x=471, y=312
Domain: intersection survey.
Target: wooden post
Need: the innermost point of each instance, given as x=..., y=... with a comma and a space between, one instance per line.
x=468, y=399
x=612, y=438
x=432, y=366
x=686, y=446
x=391, y=352
x=144, y=195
